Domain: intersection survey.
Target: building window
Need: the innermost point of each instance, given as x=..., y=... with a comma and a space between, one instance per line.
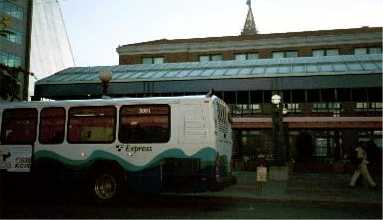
x=144, y=124
x=325, y=52
x=246, y=56
x=10, y=60
x=277, y=55
x=320, y=147
x=211, y=57
x=376, y=106
x=92, y=124
x=293, y=107
x=358, y=51
x=375, y=50
x=12, y=36
x=368, y=106
x=361, y=106
x=19, y=126
x=367, y=50
x=152, y=60
x=11, y=9
x=244, y=109
x=52, y=125
x=334, y=107
x=320, y=107
x=284, y=54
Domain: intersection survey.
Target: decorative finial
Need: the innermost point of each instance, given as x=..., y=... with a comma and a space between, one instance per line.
x=249, y=27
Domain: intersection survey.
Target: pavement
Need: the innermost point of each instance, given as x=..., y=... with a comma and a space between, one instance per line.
x=302, y=187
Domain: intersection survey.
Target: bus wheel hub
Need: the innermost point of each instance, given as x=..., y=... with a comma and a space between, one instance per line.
x=105, y=186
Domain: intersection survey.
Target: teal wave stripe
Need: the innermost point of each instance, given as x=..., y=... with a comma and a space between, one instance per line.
x=207, y=156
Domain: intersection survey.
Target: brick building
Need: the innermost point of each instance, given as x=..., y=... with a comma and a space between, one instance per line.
x=330, y=82
x=324, y=120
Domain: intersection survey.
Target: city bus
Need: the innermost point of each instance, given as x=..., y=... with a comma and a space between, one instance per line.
x=112, y=145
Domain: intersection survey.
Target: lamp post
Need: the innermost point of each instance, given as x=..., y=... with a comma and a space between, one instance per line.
x=105, y=77
x=279, y=145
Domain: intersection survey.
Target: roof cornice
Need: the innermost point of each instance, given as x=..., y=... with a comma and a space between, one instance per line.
x=230, y=43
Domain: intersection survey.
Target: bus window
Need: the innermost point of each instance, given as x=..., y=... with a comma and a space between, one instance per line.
x=19, y=126
x=144, y=124
x=92, y=124
x=52, y=125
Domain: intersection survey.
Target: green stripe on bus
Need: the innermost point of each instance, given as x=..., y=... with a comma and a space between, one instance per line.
x=207, y=156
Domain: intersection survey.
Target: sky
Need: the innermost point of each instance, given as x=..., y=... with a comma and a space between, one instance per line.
x=97, y=27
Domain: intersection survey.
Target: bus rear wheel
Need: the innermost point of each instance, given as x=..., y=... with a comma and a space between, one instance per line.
x=106, y=185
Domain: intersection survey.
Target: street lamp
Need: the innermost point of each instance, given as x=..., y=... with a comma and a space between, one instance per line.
x=105, y=77
x=279, y=145
x=276, y=99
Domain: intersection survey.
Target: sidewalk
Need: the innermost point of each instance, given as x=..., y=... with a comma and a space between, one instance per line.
x=313, y=188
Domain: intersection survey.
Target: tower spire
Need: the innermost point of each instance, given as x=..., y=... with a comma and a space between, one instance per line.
x=249, y=27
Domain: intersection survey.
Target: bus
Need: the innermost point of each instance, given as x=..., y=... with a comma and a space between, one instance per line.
x=112, y=145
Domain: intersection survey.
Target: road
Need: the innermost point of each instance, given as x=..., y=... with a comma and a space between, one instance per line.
x=62, y=204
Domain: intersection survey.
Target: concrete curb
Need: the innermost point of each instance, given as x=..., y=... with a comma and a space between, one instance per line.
x=321, y=201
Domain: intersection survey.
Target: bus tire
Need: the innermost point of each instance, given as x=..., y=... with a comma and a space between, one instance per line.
x=106, y=185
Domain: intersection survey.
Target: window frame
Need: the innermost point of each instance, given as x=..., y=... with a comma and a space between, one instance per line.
x=121, y=140
x=284, y=54
x=210, y=57
x=324, y=52
x=3, y=124
x=40, y=125
x=13, y=36
x=10, y=59
x=367, y=50
x=153, y=60
x=13, y=10
x=246, y=56
x=69, y=116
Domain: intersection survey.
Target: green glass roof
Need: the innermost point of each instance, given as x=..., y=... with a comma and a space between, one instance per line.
x=285, y=67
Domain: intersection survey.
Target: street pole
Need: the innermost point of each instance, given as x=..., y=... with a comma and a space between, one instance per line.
x=279, y=150
x=279, y=170
x=105, y=77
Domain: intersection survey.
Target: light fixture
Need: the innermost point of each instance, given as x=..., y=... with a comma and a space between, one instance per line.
x=105, y=76
x=276, y=99
x=285, y=111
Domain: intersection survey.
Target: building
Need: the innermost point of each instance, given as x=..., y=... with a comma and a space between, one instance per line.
x=50, y=49
x=330, y=82
x=15, y=32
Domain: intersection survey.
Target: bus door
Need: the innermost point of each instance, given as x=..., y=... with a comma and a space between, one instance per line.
x=18, y=134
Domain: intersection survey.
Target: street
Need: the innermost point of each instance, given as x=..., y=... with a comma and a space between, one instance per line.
x=65, y=204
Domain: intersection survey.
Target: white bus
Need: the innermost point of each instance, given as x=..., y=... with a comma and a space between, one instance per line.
x=157, y=144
